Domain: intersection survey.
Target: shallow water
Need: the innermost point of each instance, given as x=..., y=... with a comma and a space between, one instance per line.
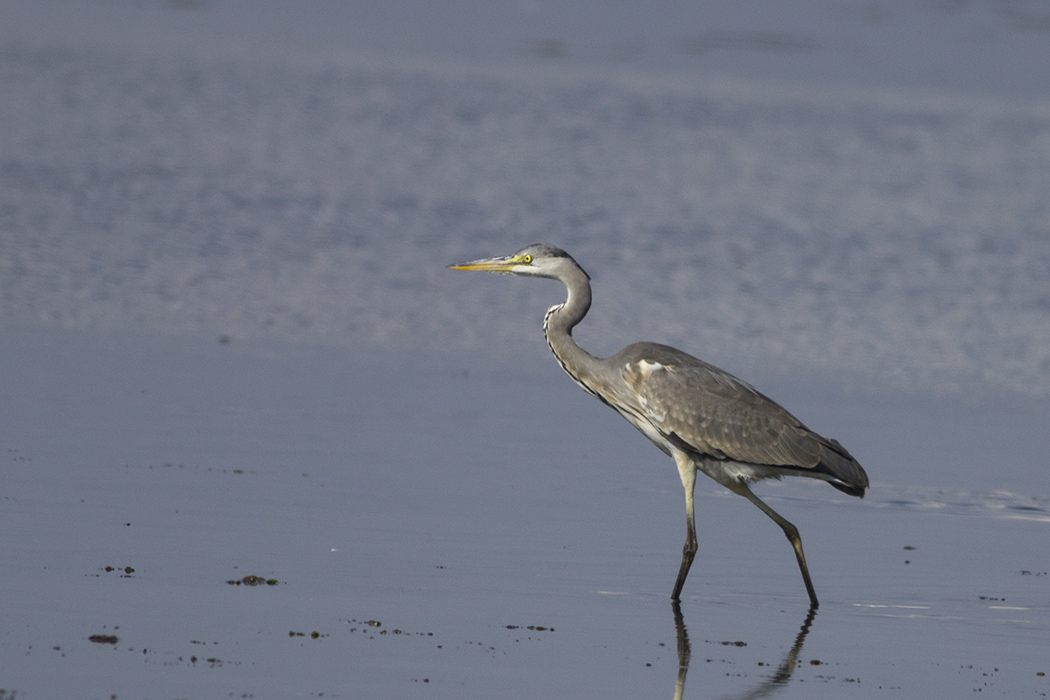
x=464, y=511
x=231, y=347
x=878, y=240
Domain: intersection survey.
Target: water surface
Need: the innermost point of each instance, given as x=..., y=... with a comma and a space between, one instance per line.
x=232, y=348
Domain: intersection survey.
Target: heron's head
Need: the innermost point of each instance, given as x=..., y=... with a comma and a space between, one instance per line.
x=538, y=260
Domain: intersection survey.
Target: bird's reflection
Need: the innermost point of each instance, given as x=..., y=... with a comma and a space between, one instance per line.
x=685, y=652
x=768, y=685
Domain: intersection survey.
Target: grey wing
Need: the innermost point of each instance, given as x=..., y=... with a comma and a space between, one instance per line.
x=716, y=414
x=708, y=411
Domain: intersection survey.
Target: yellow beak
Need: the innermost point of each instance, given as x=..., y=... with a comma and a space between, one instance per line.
x=504, y=264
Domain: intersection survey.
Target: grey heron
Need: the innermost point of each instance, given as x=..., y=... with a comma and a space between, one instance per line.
x=704, y=418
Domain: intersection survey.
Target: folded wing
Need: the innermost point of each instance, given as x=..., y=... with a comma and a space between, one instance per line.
x=703, y=409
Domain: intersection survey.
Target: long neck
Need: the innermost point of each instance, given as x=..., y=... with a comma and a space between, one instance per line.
x=558, y=325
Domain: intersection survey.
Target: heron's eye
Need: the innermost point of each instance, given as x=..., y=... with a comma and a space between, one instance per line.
x=527, y=258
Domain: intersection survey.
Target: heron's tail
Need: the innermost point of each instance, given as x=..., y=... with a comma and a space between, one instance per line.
x=846, y=473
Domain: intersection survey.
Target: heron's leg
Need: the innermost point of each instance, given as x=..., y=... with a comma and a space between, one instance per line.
x=686, y=470
x=790, y=530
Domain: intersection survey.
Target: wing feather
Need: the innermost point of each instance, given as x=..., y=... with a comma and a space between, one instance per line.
x=714, y=413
